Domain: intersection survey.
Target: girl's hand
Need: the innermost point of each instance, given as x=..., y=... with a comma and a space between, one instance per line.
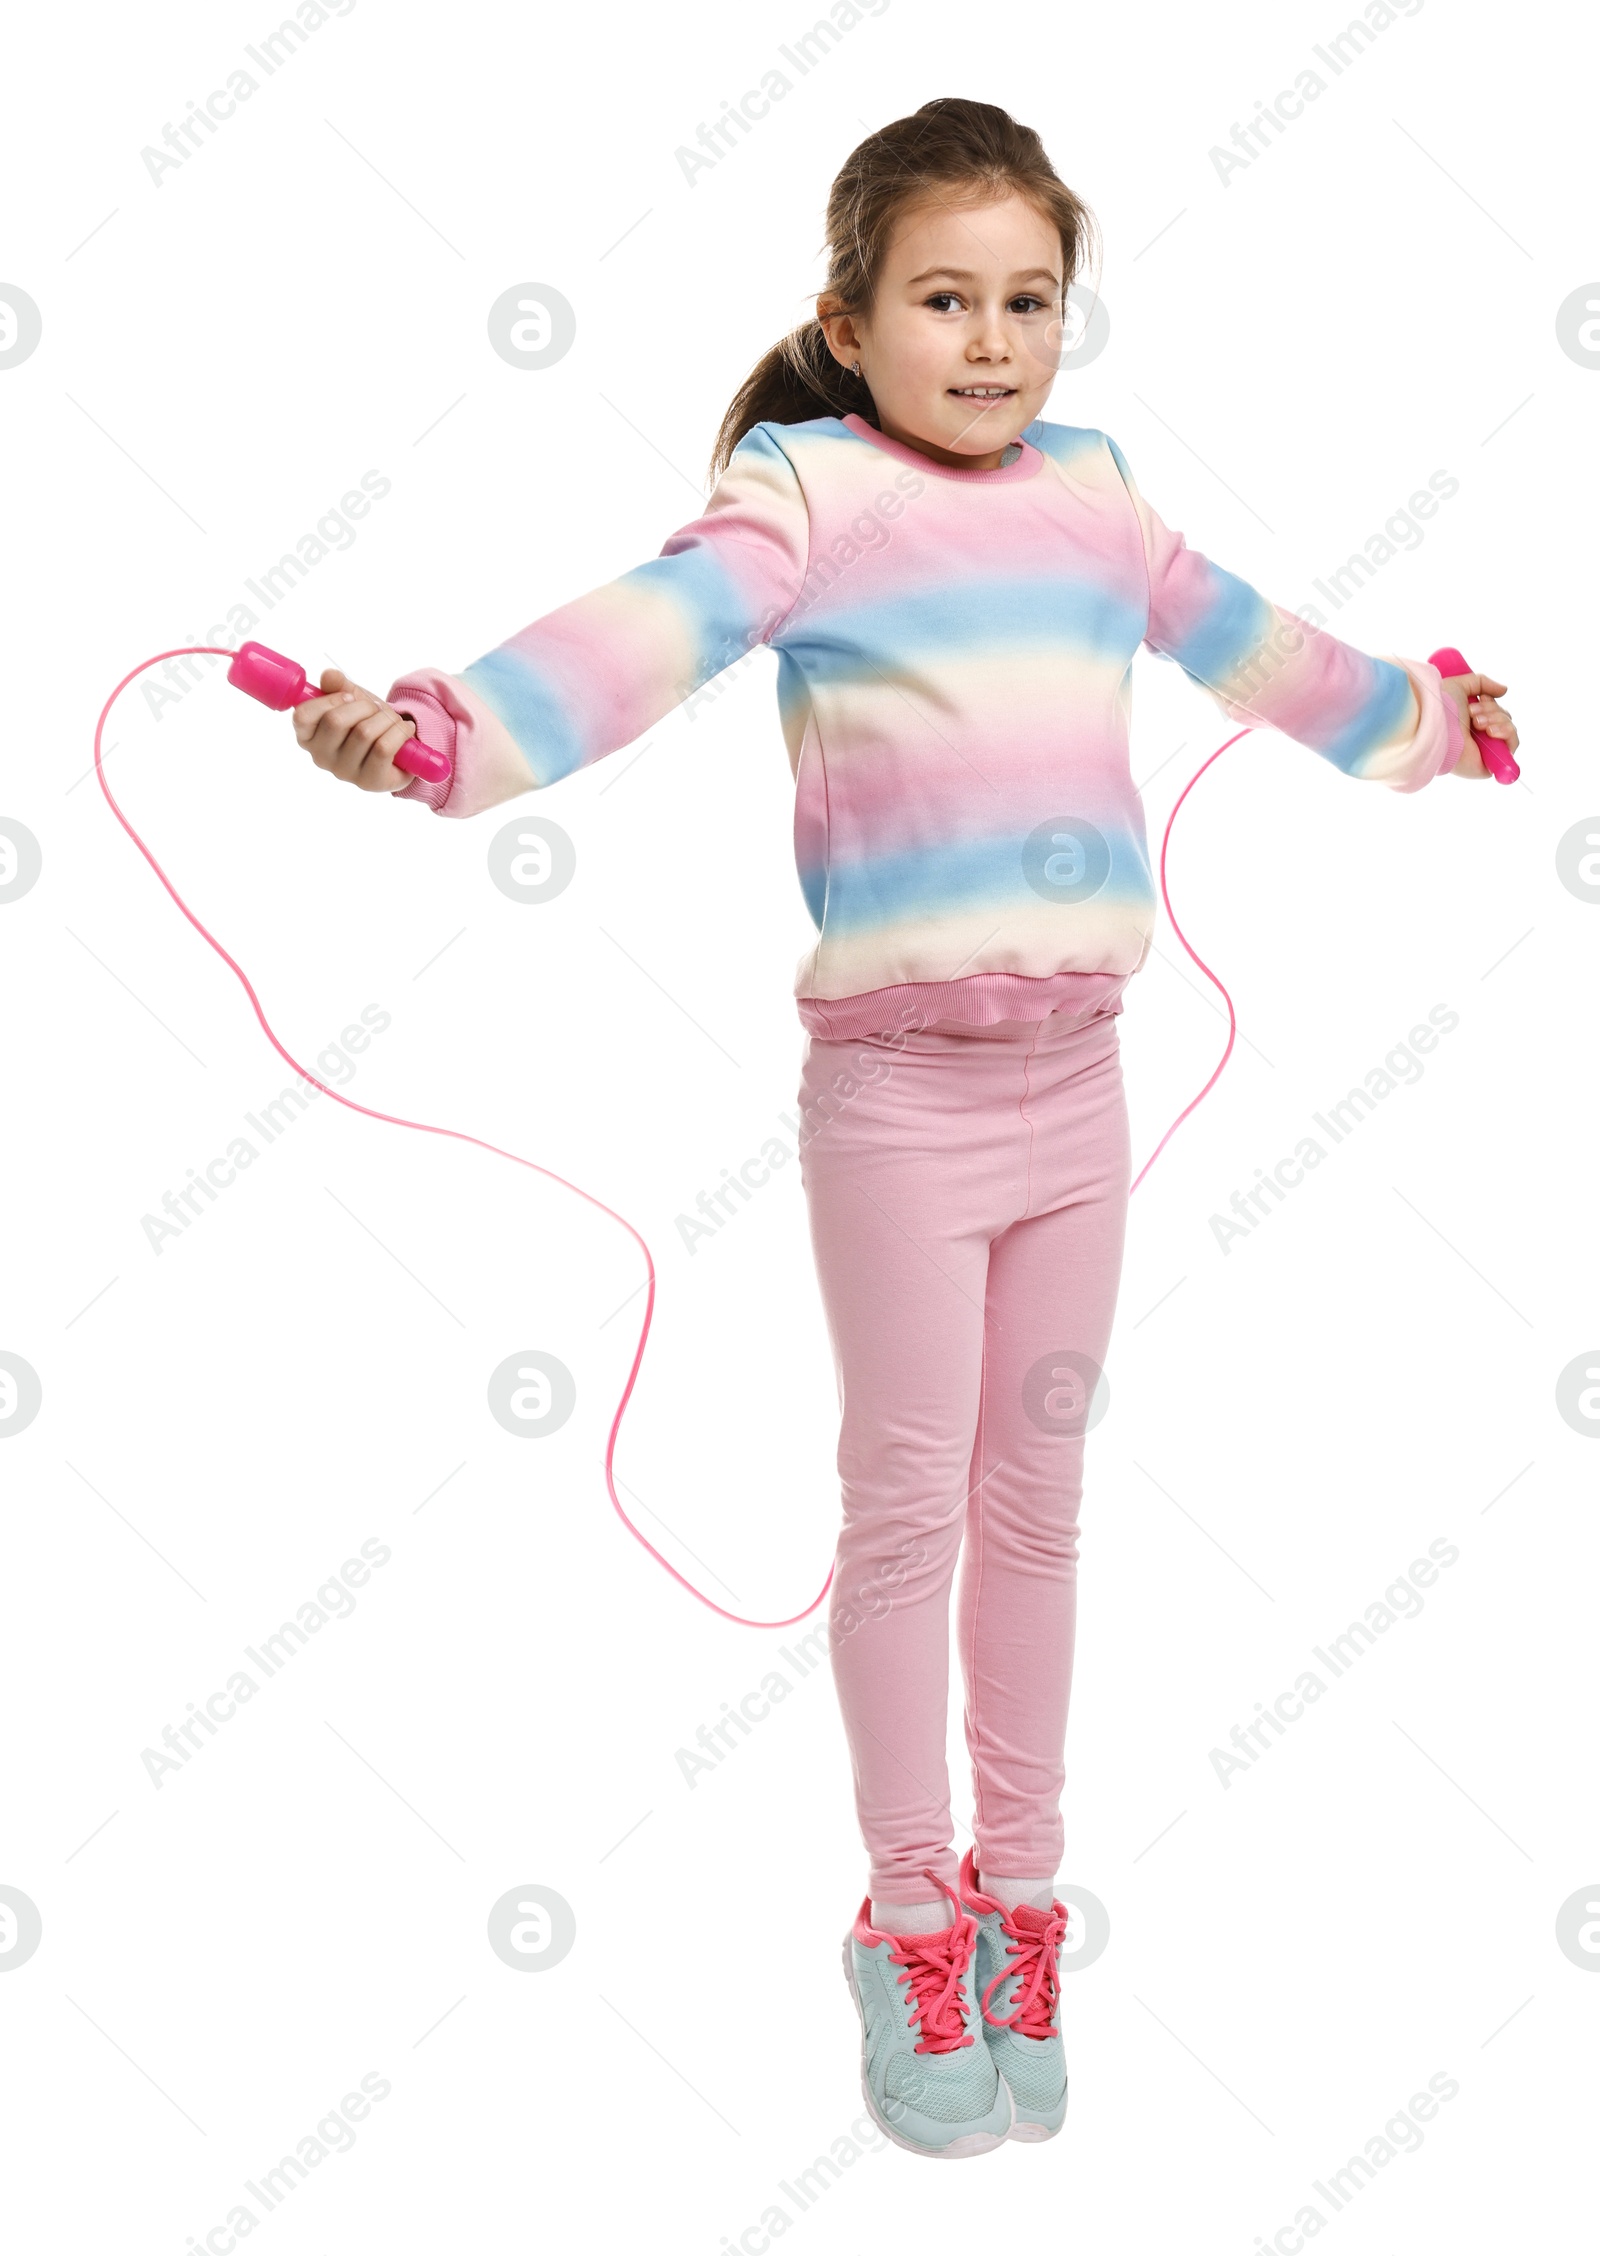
x=1477, y=701
x=354, y=735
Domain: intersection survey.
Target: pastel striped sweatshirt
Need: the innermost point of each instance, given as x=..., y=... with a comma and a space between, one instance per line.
x=955, y=652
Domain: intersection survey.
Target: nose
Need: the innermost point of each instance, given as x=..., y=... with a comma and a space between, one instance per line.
x=989, y=340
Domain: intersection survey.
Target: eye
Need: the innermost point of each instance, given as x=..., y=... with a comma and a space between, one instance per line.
x=1028, y=303
x=941, y=300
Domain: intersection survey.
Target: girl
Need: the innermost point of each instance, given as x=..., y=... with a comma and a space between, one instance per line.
x=955, y=591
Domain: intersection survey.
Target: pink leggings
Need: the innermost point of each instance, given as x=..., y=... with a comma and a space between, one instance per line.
x=968, y=1192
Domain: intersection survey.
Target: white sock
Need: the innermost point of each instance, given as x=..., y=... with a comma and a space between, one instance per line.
x=909, y=1919
x=1039, y=1893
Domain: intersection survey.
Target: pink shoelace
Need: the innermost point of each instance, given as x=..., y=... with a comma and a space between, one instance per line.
x=934, y=1965
x=1033, y=1940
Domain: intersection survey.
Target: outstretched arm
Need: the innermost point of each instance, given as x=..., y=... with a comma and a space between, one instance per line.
x=593, y=676
x=1382, y=720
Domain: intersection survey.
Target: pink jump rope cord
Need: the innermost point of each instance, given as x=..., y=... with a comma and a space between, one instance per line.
x=279, y=683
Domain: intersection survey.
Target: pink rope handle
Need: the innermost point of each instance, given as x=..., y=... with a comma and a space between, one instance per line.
x=460, y=1135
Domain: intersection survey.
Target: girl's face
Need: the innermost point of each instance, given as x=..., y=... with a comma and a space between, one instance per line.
x=963, y=340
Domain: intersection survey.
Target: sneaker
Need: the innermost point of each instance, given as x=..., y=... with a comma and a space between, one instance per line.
x=928, y=2083
x=1018, y=1979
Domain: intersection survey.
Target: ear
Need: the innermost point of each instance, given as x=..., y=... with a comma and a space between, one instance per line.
x=839, y=328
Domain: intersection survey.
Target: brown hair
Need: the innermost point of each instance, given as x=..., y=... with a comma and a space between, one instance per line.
x=971, y=148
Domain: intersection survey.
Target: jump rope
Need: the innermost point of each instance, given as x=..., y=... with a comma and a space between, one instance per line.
x=278, y=683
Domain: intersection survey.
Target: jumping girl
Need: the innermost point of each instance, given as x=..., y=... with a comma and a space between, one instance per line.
x=955, y=591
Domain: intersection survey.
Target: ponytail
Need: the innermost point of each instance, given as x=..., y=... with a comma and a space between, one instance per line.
x=798, y=379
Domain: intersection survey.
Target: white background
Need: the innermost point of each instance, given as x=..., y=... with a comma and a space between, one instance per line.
x=1291, y=1957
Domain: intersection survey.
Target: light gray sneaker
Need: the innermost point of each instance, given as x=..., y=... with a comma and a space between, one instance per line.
x=928, y=2082
x=1018, y=1981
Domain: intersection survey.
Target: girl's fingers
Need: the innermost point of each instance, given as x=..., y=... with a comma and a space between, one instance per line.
x=377, y=771
x=322, y=724
x=1493, y=719
x=365, y=737
x=353, y=734
x=339, y=729
x=337, y=693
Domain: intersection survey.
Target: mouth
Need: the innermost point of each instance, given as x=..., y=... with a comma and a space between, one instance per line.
x=982, y=395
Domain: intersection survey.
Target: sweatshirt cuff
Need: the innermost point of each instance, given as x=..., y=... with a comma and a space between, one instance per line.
x=486, y=764
x=1435, y=744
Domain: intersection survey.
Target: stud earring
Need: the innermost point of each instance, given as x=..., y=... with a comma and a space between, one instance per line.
x=855, y=368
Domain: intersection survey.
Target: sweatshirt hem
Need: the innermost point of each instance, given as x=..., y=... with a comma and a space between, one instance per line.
x=988, y=998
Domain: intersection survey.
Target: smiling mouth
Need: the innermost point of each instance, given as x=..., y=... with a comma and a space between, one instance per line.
x=983, y=395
